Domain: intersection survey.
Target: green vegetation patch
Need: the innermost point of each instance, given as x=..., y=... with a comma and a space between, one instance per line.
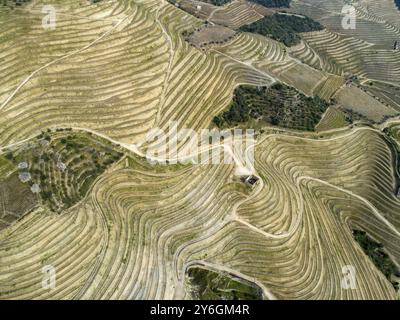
x=283, y=27
x=61, y=167
x=393, y=138
x=273, y=3
x=209, y=285
x=217, y=2
x=375, y=252
x=265, y=3
x=14, y=3
x=279, y=105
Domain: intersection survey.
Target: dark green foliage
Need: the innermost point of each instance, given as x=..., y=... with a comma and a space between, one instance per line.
x=46, y=195
x=217, y=2
x=211, y=285
x=375, y=252
x=14, y=3
x=44, y=136
x=265, y=3
x=9, y=156
x=278, y=105
x=283, y=28
x=273, y=3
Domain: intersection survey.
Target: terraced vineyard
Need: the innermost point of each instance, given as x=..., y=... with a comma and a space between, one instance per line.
x=333, y=118
x=232, y=14
x=79, y=196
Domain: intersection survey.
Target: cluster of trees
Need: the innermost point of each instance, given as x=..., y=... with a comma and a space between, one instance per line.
x=379, y=257
x=265, y=3
x=273, y=3
x=279, y=105
x=14, y=3
x=218, y=2
x=9, y=156
x=86, y=159
x=44, y=136
x=283, y=27
x=71, y=143
x=91, y=163
x=210, y=285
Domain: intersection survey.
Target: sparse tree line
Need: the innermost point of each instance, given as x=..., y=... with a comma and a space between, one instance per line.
x=188, y=34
